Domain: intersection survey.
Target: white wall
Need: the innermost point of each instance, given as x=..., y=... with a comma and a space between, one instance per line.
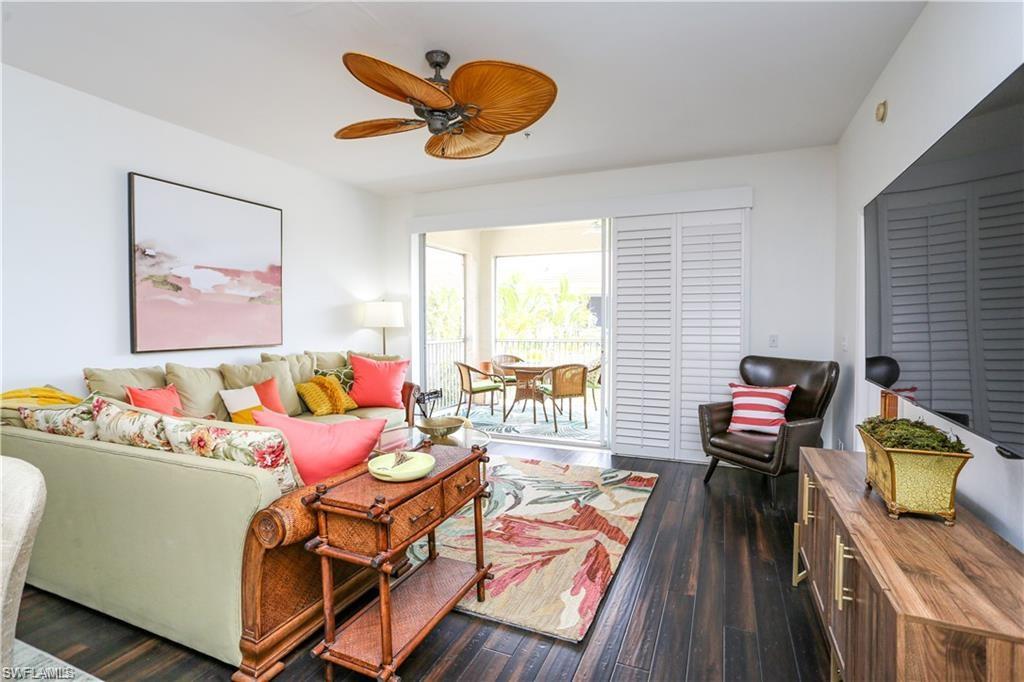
x=65, y=234
x=952, y=57
x=792, y=228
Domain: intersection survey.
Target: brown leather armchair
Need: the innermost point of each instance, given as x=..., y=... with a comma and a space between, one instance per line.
x=772, y=455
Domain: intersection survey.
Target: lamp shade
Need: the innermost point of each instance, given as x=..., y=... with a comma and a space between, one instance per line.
x=380, y=314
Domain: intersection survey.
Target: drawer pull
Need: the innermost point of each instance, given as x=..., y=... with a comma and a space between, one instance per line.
x=426, y=512
x=808, y=486
x=840, y=593
x=465, y=484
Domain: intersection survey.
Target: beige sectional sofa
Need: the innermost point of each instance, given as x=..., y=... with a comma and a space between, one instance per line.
x=207, y=553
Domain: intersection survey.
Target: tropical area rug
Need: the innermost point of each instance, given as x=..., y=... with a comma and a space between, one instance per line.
x=555, y=534
x=520, y=423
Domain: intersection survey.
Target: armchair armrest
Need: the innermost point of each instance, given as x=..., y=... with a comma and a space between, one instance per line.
x=714, y=418
x=410, y=392
x=795, y=435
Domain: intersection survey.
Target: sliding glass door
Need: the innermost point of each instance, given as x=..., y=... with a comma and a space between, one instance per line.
x=444, y=321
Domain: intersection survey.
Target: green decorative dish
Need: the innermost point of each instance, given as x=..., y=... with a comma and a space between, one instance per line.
x=439, y=427
x=416, y=465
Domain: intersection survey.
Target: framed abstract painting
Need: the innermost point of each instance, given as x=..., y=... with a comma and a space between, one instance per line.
x=205, y=268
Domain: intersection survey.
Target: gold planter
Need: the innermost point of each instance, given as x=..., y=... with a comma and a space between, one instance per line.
x=916, y=481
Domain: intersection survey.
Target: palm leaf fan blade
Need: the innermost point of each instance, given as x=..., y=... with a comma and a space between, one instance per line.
x=394, y=82
x=377, y=127
x=502, y=98
x=470, y=144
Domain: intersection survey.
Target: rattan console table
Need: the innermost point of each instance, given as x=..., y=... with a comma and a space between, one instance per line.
x=371, y=523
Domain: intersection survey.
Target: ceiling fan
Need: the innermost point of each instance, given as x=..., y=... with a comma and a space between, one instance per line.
x=468, y=116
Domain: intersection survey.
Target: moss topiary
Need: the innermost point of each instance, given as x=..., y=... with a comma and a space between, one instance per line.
x=904, y=434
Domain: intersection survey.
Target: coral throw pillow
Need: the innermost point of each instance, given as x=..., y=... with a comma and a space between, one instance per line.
x=320, y=451
x=759, y=408
x=378, y=383
x=270, y=397
x=163, y=400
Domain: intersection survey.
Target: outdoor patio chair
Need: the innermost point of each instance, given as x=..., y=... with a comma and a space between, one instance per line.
x=469, y=387
x=565, y=381
x=499, y=362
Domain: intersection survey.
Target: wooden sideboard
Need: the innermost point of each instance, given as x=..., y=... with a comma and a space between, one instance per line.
x=908, y=599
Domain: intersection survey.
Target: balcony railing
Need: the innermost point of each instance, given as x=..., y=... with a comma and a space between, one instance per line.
x=553, y=351
x=441, y=372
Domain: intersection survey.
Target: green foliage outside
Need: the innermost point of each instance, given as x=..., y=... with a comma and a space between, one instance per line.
x=528, y=310
x=904, y=434
x=444, y=314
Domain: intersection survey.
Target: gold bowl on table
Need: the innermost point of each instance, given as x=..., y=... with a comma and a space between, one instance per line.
x=439, y=427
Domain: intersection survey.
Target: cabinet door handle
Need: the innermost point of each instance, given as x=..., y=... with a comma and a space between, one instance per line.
x=840, y=593
x=426, y=512
x=808, y=486
x=465, y=484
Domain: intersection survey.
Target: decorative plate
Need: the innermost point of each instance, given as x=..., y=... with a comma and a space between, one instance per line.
x=415, y=465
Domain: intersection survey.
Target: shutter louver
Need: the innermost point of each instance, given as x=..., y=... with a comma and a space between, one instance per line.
x=678, y=332
x=999, y=305
x=643, y=338
x=928, y=275
x=711, y=316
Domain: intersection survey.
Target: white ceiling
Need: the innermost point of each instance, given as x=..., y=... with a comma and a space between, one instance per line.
x=638, y=83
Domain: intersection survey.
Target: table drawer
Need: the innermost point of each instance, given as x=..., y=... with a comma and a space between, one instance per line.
x=413, y=516
x=460, y=486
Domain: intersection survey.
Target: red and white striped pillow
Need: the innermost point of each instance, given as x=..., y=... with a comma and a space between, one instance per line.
x=759, y=408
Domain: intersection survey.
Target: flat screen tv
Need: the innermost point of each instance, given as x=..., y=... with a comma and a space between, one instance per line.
x=944, y=257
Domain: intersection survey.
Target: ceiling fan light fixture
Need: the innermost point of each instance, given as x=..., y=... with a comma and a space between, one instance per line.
x=468, y=116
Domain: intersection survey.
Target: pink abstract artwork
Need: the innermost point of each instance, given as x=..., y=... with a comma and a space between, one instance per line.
x=206, y=269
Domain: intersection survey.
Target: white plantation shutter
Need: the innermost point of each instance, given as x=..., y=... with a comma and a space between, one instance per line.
x=925, y=294
x=711, y=314
x=678, y=326
x=643, y=335
x=999, y=307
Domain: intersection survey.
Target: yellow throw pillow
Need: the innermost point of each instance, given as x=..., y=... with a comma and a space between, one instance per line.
x=241, y=403
x=324, y=395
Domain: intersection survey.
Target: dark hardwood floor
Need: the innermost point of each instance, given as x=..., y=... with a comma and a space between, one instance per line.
x=702, y=594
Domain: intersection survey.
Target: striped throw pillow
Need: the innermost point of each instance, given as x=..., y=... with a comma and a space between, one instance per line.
x=759, y=408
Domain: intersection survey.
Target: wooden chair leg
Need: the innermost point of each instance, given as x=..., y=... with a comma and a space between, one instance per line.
x=570, y=408
x=535, y=412
x=711, y=469
x=544, y=406
x=593, y=396
x=554, y=413
x=492, y=403
x=459, y=406
x=585, y=424
x=469, y=404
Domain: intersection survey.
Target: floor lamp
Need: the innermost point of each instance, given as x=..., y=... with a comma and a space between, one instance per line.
x=383, y=315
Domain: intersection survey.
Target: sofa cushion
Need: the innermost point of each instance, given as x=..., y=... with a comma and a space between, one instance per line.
x=328, y=359
x=68, y=420
x=754, y=445
x=240, y=376
x=324, y=395
x=199, y=389
x=163, y=400
x=326, y=418
x=255, y=446
x=300, y=365
x=323, y=450
x=121, y=423
x=393, y=415
x=378, y=383
x=111, y=382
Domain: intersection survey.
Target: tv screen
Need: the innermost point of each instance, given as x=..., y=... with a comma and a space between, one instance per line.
x=944, y=256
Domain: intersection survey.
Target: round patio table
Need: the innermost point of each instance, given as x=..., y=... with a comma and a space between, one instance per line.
x=527, y=388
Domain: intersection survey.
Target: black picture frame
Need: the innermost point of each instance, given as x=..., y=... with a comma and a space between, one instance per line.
x=132, y=304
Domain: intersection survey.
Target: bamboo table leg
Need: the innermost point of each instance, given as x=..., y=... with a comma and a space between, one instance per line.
x=478, y=526
x=387, y=655
x=431, y=545
x=327, y=581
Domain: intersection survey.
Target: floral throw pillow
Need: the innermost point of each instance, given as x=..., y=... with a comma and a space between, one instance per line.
x=76, y=420
x=263, y=448
x=121, y=423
